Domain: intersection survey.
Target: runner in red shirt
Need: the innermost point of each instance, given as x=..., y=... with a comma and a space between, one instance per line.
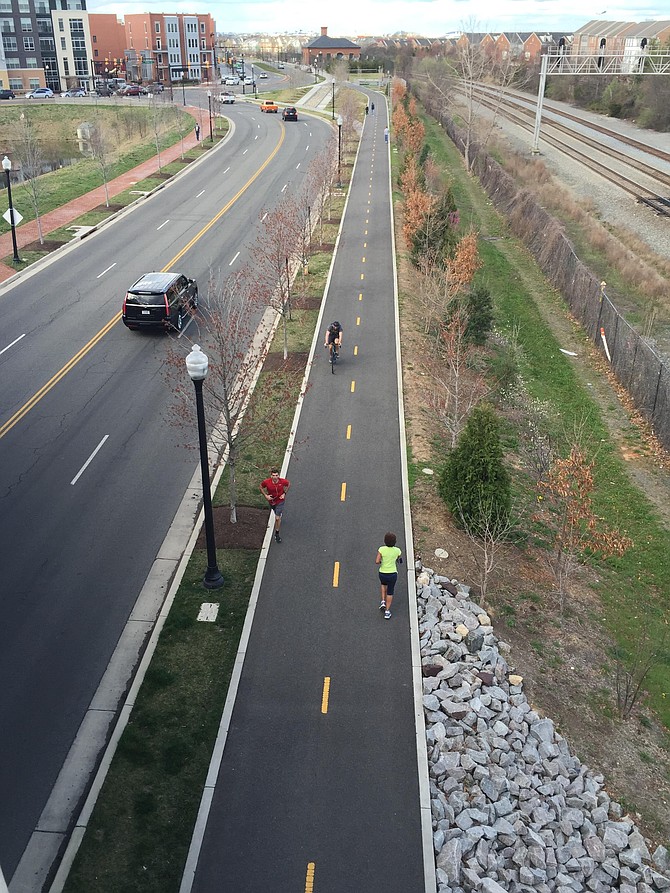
x=274, y=489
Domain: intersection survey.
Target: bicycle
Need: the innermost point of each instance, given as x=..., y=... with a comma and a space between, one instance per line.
x=334, y=356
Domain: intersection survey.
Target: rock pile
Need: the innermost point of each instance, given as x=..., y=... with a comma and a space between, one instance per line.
x=512, y=809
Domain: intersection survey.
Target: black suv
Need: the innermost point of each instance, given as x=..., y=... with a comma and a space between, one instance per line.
x=7, y=94
x=162, y=300
x=289, y=114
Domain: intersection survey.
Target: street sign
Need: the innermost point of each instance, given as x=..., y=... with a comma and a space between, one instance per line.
x=12, y=212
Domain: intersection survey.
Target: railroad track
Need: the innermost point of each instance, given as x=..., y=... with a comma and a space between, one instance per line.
x=524, y=117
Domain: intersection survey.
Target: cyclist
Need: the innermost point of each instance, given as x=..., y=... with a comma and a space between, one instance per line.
x=333, y=335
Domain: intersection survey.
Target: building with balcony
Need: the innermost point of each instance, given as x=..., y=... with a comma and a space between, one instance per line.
x=169, y=48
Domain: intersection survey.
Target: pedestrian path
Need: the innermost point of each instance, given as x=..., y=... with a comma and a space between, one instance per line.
x=318, y=779
x=53, y=220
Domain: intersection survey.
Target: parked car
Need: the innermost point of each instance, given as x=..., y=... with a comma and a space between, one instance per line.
x=269, y=105
x=40, y=93
x=228, y=98
x=104, y=90
x=133, y=90
x=281, y=65
x=155, y=88
x=289, y=113
x=7, y=94
x=79, y=91
x=232, y=81
x=263, y=75
x=160, y=300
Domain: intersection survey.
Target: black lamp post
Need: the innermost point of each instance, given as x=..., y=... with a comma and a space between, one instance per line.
x=196, y=365
x=209, y=102
x=339, y=151
x=333, y=115
x=7, y=166
x=244, y=77
x=183, y=88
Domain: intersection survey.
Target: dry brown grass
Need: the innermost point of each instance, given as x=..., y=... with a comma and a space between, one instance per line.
x=641, y=270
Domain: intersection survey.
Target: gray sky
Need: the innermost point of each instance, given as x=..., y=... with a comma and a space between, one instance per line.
x=430, y=18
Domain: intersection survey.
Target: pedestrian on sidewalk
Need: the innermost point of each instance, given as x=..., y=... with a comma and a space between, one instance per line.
x=197, y=132
x=366, y=109
x=274, y=489
x=386, y=134
x=372, y=108
x=388, y=557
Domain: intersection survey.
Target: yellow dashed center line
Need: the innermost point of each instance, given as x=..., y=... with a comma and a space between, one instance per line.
x=362, y=276
x=309, y=879
x=343, y=491
x=360, y=296
x=363, y=260
x=358, y=320
x=336, y=575
x=353, y=386
x=356, y=350
x=348, y=432
x=324, y=696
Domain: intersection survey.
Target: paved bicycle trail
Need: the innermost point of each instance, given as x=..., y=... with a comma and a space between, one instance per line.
x=314, y=793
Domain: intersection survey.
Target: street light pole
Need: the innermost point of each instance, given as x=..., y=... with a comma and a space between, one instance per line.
x=339, y=151
x=209, y=102
x=196, y=365
x=7, y=166
x=333, y=115
x=183, y=88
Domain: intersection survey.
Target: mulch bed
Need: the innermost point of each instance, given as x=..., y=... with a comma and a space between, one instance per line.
x=247, y=533
x=295, y=362
x=103, y=209
x=47, y=245
x=305, y=302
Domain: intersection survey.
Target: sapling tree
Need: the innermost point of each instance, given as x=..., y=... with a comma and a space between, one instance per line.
x=566, y=506
x=28, y=152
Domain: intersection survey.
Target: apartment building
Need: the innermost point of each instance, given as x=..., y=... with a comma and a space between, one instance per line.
x=167, y=48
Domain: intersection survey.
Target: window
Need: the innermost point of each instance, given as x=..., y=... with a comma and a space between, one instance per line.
x=47, y=46
x=31, y=62
x=24, y=6
x=26, y=25
x=95, y=53
x=78, y=43
x=158, y=43
x=15, y=84
x=80, y=66
x=9, y=43
x=28, y=43
x=61, y=25
x=5, y=5
x=202, y=27
x=45, y=26
x=66, y=67
x=63, y=43
x=7, y=26
x=12, y=62
x=42, y=9
x=33, y=83
x=76, y=25
x=157, y=26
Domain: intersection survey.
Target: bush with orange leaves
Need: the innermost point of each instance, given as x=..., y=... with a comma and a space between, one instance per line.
x=418, y=203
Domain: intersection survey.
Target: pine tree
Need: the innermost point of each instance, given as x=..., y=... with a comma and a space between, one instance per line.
x=474, y=482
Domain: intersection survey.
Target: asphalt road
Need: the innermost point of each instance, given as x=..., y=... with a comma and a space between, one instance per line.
x=79, y=539
x=307, y=799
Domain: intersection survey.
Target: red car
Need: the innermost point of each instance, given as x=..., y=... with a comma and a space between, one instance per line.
x=133, y=90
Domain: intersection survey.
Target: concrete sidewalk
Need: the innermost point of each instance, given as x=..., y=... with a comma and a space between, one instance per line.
x=53, y=220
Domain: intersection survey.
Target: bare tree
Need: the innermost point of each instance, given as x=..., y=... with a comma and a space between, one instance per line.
x=159, y=120
x=277, y=249
x=460, y=76
x=634, y=664
x=100, y=144
x=236, y=343
x=29, y=154
x=489, y=540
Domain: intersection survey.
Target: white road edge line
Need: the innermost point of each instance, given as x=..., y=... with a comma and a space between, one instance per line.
x=226, y=170
x=88, y=461
x=13, y=343
x=106, y=271
x=284, y=187
x=162, y=225
x=202, y=192
x=234, y=259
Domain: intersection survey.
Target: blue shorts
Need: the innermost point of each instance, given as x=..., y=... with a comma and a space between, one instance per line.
x=278, y=509
x=388, y=580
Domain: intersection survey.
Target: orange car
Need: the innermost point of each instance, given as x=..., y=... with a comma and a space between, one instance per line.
x=269, y=105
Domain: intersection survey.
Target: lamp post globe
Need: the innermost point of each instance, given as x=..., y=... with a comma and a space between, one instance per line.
x=7, y=167
x=197, y=365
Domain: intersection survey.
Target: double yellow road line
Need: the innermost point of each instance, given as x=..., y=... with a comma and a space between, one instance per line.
x=71, y=363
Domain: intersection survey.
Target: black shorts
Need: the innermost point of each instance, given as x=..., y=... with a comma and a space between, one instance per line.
x=388, y=580
x=333, y=338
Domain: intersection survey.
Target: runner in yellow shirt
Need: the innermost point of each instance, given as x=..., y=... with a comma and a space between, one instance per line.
x=388, y=556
